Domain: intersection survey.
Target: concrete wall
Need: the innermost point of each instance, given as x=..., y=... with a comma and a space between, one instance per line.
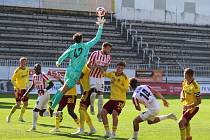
x=173, y=13
x=77, y=5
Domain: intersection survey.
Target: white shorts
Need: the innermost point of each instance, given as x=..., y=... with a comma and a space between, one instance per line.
x=42, y=101
x=97, y=83
x=149, y=114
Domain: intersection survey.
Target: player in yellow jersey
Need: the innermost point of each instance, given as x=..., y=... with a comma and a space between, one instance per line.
x=85, y=103
x=68, y=99
x=20, y=81
x=190, y=97
x=119, y=88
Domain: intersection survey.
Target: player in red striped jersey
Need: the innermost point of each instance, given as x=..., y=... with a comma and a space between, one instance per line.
x=98, y=63
x=42, y=83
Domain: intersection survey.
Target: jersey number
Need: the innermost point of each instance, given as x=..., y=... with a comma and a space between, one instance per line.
x=77, y=52
x=144, y=93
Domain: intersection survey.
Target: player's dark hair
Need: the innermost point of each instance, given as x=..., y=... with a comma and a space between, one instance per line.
x=37, y=65
x=189, y=72
x=77, y=37
x=133, y=83
x=105, y=44
x=121, y=64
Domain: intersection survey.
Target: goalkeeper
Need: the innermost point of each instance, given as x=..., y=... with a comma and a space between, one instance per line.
x=78, y=53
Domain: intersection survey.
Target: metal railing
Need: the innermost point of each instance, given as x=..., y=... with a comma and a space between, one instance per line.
x=168, y=70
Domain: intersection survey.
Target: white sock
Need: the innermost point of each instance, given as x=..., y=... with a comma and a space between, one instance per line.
x=107, y=132
x=135, y=134
x=46, y=113
x=35, y=117
x=56, y=114
x=113, y=133
x=92, y=98
x=100, y=103
x=163, y=117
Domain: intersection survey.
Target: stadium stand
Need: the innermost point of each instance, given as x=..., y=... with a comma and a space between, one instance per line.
x=172, y=43
x=44, y=35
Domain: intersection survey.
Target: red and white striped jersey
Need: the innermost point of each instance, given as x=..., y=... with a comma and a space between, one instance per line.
x=40, y=81
x=98, y=59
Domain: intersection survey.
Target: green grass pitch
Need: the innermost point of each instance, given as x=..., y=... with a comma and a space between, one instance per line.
x=165, y=130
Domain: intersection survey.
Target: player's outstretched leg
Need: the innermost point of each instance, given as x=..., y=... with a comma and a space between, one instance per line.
x=14, y=108
x=93, y=92
x=169, y=116
x=100, y=107
x=58, y=96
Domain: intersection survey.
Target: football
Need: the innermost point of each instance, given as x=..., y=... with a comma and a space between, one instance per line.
x=100, y=11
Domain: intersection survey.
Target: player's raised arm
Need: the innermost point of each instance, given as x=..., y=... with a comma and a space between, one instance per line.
x=96, y=38
x=165, y=103
x=63, y=57
x=100, y=23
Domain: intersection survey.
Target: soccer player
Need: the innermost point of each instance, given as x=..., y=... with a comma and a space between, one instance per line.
x=20, y=81
x=78, y=53
x=98, y=63
x=42, y=83
x=190, y=96
x=119, y=87
x=85, y=102
x=68, y=99
x=145, y=95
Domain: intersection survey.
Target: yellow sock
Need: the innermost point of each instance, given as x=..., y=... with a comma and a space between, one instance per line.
x=188, y=130
x=82, y=117
x=58, y=121
x=183, y=133
x=14, y=108
x=106, y=127
x=88, y=120
x=114, y=129
x=23, y=109
x=77, y=121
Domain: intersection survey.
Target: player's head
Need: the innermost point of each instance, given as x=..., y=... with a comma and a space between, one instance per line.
x=77, y=37
x=23, y=62
x=120, y=68
x=106, y=47
x=188, y=74
x=37, y=69
x=133, y=83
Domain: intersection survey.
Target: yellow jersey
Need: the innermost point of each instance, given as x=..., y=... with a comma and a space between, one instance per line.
x=72, y=91
x=119, y=85
x=20, y=78
x=84, y=81
x=190, y=92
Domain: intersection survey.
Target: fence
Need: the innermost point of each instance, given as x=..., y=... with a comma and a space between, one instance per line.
x=168, y=70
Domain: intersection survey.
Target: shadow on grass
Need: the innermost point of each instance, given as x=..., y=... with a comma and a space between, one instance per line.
x=84, y=136
x=48, y=125
x=3, y=106
x=6, y=103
